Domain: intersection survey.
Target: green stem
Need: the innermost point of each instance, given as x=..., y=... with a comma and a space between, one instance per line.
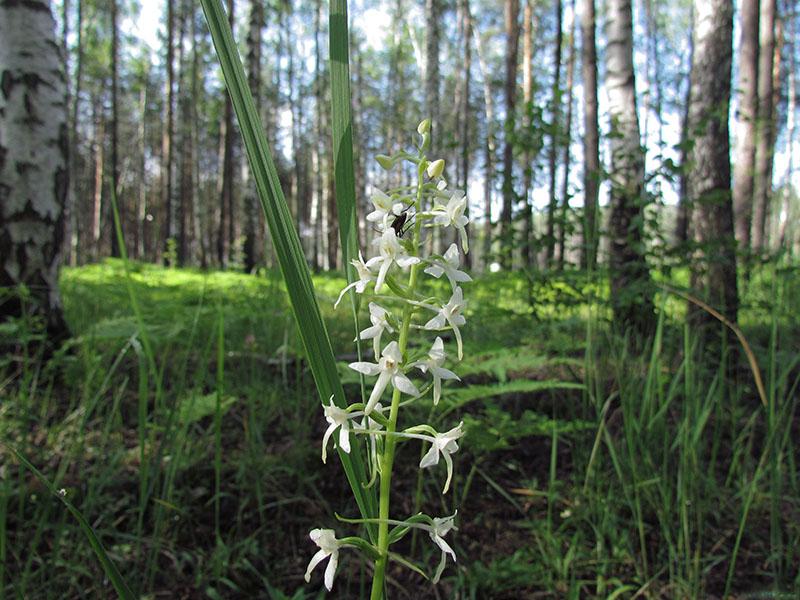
x=387, y=457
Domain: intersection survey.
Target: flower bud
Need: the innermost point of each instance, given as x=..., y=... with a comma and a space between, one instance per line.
x=386, y=162
x=436, y=168
x=424, y=127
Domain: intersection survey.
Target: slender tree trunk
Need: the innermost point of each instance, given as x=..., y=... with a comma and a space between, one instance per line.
x=591, y=137
x=200, y=241
x=563, y=225
x=99, y=170
x=317, y=194
x=682, y=223
x=33, y=162
x=714, y=275
x=528, y=254
x=166, y=138
x=225, y=245
x=490, y=149
x=631, y=292
x=70, y=211
x=788, y=224
x=746, y=117
x=555, y=130
x=466, y=107
x=766, y=124
x=510, y=89
x=254, y=81
x=141, y=198
x=186, y=183
x=433, y=17
x=114, y=188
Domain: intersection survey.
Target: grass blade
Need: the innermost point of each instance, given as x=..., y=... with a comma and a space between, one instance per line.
x=288, y=251
x=105, y=561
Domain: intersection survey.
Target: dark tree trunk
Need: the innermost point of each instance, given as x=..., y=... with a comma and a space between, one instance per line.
x=709, y=182
x=555, y=138
x=509, y=195
x=254, y=81
x=591, y=137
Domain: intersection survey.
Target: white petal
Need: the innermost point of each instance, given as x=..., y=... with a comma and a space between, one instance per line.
x=440, y=568
x=449, y=462
x=431, y=458
x=377, y=391
x=325, y=438
x=436, y=322
x=366, y=368
x=370, y=332
x=407, y=261
x=330, y=570
x=437, y=389
x=435, y=271
x=382, y=274
x=403, y=383
x=443, y=373
x=392, y=351
x=344, y=439
x=344, y=291
x=315, y=560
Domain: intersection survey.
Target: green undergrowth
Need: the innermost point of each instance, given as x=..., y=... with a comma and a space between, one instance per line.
x=589, y=471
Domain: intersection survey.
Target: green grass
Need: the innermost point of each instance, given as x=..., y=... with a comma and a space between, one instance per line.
x=588, y=471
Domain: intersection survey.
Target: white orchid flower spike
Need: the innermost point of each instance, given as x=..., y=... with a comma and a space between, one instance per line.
x=379, y=317
x=337, y=418
x=442, y=444
x=328, y=547
x=449, y=268
x=453, y=215
x=433, y=365
x=391, y=252
x=384, y=208
x=388, y=371
x=364, y=277
x=440, y=527
x=450, y=314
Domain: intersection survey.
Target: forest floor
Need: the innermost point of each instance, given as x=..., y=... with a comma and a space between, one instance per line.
x=587, y=470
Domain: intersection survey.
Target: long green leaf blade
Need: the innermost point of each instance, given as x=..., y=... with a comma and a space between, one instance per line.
x=288, y=251
x=108, y=565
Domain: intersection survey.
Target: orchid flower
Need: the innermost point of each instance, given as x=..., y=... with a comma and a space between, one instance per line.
x=337, y=418
x=436, y=358
x=384, y=207
x=328, y=547
x=453, y=215
x=388, y=370
x=390, y=252
x=380, y=323
x=450, y=314
x=442, y=444
x=440, y=527
x=449, y=267
x=364, y=277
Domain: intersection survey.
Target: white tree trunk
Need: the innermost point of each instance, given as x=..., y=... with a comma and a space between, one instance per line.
x=33, y=147
x=631, y=296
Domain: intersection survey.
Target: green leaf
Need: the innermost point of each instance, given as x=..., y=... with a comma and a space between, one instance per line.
x=105, y=561
x=288, y=251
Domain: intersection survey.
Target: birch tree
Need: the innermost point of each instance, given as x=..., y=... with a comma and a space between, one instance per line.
x=630, y=287
x=746, y=121
x=33, y=167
